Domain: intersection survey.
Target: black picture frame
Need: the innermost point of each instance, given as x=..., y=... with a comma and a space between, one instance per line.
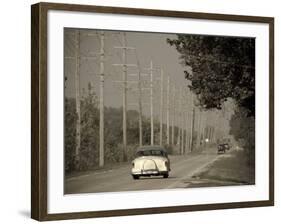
x=39, y=106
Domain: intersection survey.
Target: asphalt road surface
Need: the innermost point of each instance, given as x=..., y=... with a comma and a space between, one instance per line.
x=120, y=179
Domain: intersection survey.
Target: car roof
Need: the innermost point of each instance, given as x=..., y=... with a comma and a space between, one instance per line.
x=151, y=147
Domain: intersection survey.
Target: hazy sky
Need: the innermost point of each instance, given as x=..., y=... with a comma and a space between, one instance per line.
x=149, y=46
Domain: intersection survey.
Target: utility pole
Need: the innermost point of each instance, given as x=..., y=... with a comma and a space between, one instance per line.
x=186, y=132
x=77, y=57
x=140, y=109
x=203, y=121
x=185, y=114
x=183, y=132
x=168, y=110
x=192, y=124
x=212, y=134
x=77, y=97
x=101, y=125
x=140, y=104
x=216, y=136
x=181, y=121
x=178, y=126
x=124, y=59
x=198, y=127
x=139, y=99
x=174, y=114
x=124, y=81
x=161, y=108
x=151, y=69
x=188, y=104
x=101, y=74
x=151, y=104
x=101, y=54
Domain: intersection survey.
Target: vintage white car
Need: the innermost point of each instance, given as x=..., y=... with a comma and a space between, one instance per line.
x=151, y=161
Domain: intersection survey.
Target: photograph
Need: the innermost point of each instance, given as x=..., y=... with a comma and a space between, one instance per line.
x=148, y=111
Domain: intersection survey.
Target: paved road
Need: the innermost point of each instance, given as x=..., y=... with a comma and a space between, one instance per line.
x=119, y=179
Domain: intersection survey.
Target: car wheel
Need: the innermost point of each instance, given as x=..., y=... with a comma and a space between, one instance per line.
x=136, y=177
x=166, y=175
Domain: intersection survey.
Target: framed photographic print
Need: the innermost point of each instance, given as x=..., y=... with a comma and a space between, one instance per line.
x=139, y=111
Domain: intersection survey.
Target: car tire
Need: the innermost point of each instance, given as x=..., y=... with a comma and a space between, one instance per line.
x=166, y=175
x=136, y=177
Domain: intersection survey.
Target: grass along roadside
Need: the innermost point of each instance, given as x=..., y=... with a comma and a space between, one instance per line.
x=105, y=168
x=228, y=169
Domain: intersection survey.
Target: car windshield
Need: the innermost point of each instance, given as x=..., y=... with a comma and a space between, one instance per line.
x=151, y=153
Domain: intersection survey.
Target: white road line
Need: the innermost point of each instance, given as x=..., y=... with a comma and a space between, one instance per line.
x=173, y=185
x=86, y=175
x=187, y=158
x=78, y=177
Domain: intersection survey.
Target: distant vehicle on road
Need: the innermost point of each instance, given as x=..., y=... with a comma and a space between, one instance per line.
x=226, y=145
x=221, y=148
x=151, y=161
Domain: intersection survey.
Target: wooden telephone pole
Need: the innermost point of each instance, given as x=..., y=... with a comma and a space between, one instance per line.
x=184, y=133
x=192, y=124
x=77, y=96
x=188, y=119
x=181, y=121
x=124, y=59
x=151, y=104
x=198, y=127
x=101, y=75
x=161, y=107
x=77, y=57
x=203, y=125
x=168, y=110
x=140, y=102
x=139, y=82
x=141, y=90
x=101, y=124
x=186, y=129
x=151, y=69
x=174, y=113
x=124, y=81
